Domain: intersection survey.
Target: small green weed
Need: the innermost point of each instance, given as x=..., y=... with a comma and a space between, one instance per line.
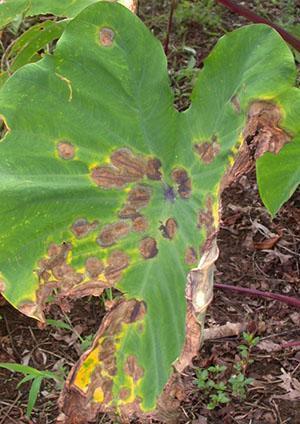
x=36, y=376
x=218, y=386
x=85, y=341
x=206, y=13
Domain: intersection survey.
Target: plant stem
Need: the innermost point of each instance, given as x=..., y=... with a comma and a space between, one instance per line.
x=170, y=25
x=292, y=301
x=252, y=16
x=290, y=344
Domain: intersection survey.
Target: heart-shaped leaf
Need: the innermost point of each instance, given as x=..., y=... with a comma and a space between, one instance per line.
x=279, y=175
x=104, y=184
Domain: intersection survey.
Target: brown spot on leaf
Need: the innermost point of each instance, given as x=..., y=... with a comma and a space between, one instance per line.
x=128, y=212
x=108, y=177
x=57, y=255
x=133, y=167
x=125, y=168
x=94, y=267
x=190, y=257
x=108, y=345
x=60, y=280
x=206, y=219
x=124, y=393
x=82, y=228
x=169, y=229
x=61, y=270
x=132, y=368
x=138, y=312
x=140, y=224
x=117, y=262
x=180, y=177
x=106, y=37
x=208, y=150
x=107, y=390
x=152, y=170
x=139, y=197
x=108, y=358
x=54, y=250
x=148, y=248
x=185, y=190
x=66, y=150
x=111, y=233
x=71, y=278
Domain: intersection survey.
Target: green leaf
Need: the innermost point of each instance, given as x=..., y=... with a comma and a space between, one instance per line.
x=278, y=175
x=222, y=398
x=33, y=394
x=3, y=78
x=26, y=48
x=104, y=184
x=25, y=379
x=220, y=386
x=24, y=369
x=59, y=324
x=86, y=342
x=9, y=9
x=217, y=369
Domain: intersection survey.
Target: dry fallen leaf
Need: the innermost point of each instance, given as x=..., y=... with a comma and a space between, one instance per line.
x=267, y=244
x=228, y=330
x=291, y=385
x=268, y=346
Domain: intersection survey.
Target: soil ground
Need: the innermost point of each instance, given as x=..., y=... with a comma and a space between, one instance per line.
x=246, y=259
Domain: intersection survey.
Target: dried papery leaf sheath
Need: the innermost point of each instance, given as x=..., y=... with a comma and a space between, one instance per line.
x=129, y=201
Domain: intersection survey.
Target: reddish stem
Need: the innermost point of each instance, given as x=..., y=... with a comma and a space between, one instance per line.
x=290, y=344
x=251, y=16
x=292, y=301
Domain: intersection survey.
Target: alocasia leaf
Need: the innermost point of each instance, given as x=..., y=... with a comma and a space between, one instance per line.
x=9, y=9
x=29, y=47
x=26, y=49
x=279, y=175
x=103, y=183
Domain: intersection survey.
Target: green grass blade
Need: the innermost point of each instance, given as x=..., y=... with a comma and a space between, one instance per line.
x=24, y=369
x=33, y=395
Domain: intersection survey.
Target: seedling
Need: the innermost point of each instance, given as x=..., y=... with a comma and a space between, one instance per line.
x=85, y=341
x=34, y=375
x=239, y=385
x=218, y=387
